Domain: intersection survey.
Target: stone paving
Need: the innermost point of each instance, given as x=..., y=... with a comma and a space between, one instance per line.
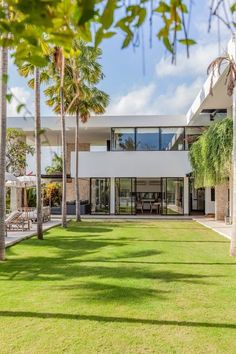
x=14, y=237
x=218, y=226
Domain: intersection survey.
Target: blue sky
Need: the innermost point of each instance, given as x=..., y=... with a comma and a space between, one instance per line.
x=164, y=88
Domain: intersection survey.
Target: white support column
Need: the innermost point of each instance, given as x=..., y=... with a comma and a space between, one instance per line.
x=112, y=195
x=186, y=195
x=14, y=199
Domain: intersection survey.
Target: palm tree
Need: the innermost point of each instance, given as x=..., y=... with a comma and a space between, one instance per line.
x=231, y=91
x=59, y=61
x=81, y=95
x=56, y=166
x=38, y=154
x=96, y=103
x=26, y=70
x=3, y=120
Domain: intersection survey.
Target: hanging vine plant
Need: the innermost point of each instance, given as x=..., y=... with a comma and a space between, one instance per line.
x=211, y=154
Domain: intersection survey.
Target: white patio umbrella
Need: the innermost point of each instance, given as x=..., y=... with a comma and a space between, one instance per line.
x=27, y=181
x=22, y=182
x=10, y=177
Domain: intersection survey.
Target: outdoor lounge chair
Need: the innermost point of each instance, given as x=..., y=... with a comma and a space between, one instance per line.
x=16, y=221
x=32, y=214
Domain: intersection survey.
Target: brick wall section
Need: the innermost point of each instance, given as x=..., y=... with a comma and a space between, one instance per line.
x=221, y=201
x=84, y=185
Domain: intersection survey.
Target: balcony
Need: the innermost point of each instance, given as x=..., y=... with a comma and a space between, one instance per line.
x=132, y=164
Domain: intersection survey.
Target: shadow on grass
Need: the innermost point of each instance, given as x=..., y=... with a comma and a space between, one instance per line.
x=127, y=239
x=114, y=293
x=113, y=319
x=64, y=267
x=155, y=263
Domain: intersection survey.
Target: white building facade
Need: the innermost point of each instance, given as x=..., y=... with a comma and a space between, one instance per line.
x=136, y=164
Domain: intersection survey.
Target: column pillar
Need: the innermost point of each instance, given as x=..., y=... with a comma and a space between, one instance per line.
x=112, y=195
x=186, y=195
x=221, y=201
x=14, y=204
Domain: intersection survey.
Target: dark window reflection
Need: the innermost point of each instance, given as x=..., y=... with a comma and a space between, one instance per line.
x=147, y=139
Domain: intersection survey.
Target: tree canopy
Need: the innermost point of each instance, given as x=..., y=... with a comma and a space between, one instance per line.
x=56, y=166
x=33, y=24
x=16, y=150
x=211, y=154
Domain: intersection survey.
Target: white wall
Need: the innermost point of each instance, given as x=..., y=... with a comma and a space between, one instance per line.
x=132, y=164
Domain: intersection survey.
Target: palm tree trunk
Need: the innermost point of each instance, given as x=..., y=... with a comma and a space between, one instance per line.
x=77, y=191
x=3, y=123
x=233, y=236
x=64, y=150
x=38, y=154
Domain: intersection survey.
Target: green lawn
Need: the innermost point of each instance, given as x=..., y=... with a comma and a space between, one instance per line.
x=131, y=287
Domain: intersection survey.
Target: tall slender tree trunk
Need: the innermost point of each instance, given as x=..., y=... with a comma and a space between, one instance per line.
x=3, y=124
x=38, y=154
x=233, y=236
x=64, y=149
x=77, y=191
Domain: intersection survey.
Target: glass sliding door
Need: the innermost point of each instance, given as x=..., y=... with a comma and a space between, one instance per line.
x=173, y=196
x=197, y=198
x=100, y=195
x=125, y=195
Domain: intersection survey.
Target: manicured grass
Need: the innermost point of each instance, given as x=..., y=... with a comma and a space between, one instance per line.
x=131, y=287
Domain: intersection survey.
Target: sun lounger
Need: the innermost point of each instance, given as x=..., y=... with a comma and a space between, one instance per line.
x=17, y=221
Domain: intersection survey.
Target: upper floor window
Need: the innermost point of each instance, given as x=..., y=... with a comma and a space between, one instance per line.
x=123, y=139
x=147, y=139
x=172, y=139
x=154, y=138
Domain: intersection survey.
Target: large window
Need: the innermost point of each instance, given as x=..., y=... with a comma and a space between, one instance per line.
x=100, y=195
x=172, y=139
x=154, y=139
x=123, y=139
x=191, y=135
x=147, y=139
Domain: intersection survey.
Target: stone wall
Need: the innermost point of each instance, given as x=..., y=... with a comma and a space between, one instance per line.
x=84, y=185
x=221, y=201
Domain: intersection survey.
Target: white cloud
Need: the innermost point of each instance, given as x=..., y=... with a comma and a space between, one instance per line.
x=176, y=100
x=146, y=100
x=20, y=95
x=200, y=58
x=134, y=102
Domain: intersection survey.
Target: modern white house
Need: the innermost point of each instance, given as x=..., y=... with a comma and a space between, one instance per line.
x=139, y=164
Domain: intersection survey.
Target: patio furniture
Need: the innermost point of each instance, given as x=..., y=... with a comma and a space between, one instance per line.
x=156, y=206
x=46, y=213
x=17, y=221
x=139, y=206
x=147, y=204
x=31, y=214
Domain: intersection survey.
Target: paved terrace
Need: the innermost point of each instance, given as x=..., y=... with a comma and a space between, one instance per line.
x=218, y=226
x=14, y=237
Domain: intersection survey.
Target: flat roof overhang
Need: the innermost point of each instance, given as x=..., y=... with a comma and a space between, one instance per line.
x=209, y=100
